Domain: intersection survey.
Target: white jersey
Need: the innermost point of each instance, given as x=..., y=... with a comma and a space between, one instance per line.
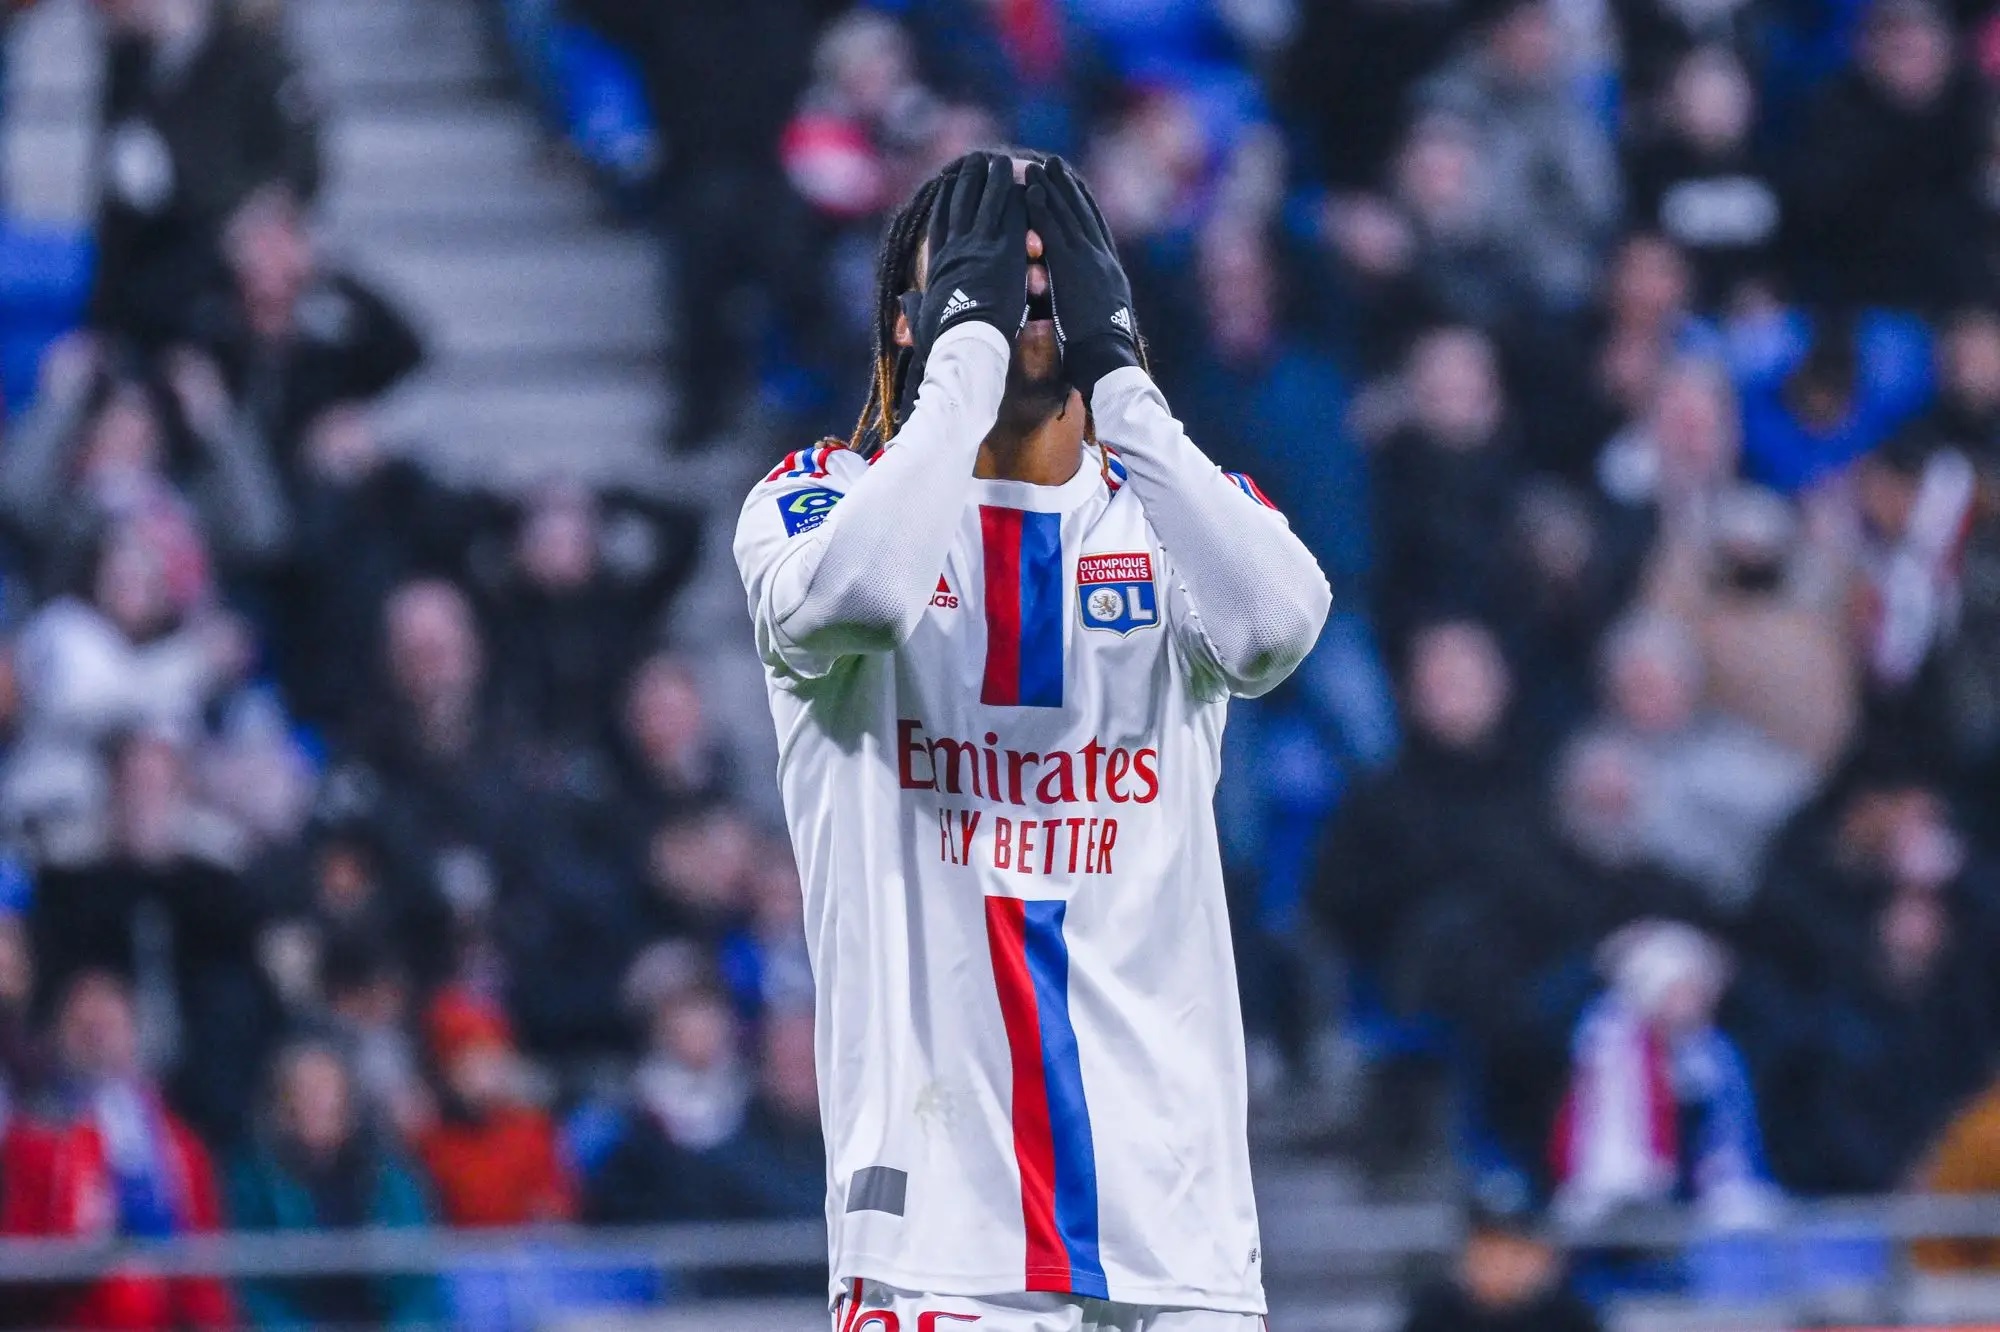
x=998, y=775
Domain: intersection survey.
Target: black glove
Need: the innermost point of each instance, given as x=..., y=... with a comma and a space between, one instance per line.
x=1088, y=291
x=978, y=255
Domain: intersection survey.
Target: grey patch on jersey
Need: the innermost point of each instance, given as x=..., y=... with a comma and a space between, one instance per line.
x=877, y=1189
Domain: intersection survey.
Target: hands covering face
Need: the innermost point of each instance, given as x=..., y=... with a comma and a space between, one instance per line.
x=978, y=266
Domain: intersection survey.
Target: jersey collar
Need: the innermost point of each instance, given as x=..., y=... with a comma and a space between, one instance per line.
x=1088, y=481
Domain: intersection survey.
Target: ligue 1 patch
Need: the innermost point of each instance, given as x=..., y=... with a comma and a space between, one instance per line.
x=1116, y=592
x=803, y=510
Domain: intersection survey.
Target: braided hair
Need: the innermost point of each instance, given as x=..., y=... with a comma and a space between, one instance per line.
x=895, y=274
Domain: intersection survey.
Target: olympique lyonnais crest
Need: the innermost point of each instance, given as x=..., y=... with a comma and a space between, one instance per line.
x=1116, y=592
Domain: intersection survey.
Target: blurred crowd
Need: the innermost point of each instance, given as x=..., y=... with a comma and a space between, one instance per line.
x=1632, y=366
x=367, y=856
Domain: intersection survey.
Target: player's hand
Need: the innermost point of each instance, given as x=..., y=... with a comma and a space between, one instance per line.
x=1088, y=291
x=978, y=267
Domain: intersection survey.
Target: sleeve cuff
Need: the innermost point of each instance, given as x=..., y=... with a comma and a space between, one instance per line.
x=1121, y=383
x=973, y=331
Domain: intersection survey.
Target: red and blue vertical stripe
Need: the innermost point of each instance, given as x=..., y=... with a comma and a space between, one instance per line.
x=1024, y=607
x=1052, y=1140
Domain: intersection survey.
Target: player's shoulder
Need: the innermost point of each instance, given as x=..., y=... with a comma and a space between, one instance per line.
x=795, y=496
x=829, y=462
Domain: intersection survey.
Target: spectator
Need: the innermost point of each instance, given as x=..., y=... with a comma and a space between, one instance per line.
x=453, y=807
x=1924, y=608
x=294, y=338
x=199, y=109
x=168, y=904
x=107, y=1160
x=1260, y=395
x=1884, y=178
x=1366, y=295
x=1760, y=587
x=342, y=887
x=119, y=652
x=368, y=1002
x=1597, y=804
x=1820, y=390
x=1967, y=415
x=1711, y=789
x=1867, y=1012
x=722, y=79
x=367, y=522
x=782, y=1155
x=699, y=864
x=691, y=1095
x=436, y=674
x=1658, y=37
x=1647, y=323
x=1697, y=181
x=1508, y=1278
x=1438, y=881
x=584, y=593
x=1916, y=502
x=254, y=770
x=1465, y=265
x=492, y=1156
x=316, y=1167
x=1659, y=1108
x=1672, y=463
x=1451, y=813
x=1555, y=181
x=103, y=444
x=864, y=111
x=1447, y=480
x=670, y=756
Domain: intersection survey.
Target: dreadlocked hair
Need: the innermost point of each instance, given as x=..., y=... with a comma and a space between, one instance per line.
x=895, y=274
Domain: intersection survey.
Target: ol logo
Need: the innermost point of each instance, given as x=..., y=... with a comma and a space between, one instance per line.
x=803, y=510
x=1115, y=592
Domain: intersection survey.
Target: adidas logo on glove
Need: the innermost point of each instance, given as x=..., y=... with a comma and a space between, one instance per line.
x=957, y=305
x=1123, y=319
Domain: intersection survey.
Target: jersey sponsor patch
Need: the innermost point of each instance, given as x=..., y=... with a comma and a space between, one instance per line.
x=803, y=510
x=1116, y=593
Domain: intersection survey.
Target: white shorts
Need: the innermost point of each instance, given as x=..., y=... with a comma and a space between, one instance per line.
x=870, y=1306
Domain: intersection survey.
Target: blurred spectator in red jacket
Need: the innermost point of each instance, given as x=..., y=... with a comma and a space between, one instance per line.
x=492, y=1156
x=110, y=1161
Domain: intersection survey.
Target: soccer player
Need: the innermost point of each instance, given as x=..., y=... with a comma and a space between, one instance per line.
x=1000, y=630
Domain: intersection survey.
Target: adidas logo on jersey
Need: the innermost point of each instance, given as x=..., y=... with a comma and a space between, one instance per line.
x=944, y=598
x=1123, y=319
x=957, y=304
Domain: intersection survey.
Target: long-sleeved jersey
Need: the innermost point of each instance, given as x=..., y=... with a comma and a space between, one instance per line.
x=999, y=711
